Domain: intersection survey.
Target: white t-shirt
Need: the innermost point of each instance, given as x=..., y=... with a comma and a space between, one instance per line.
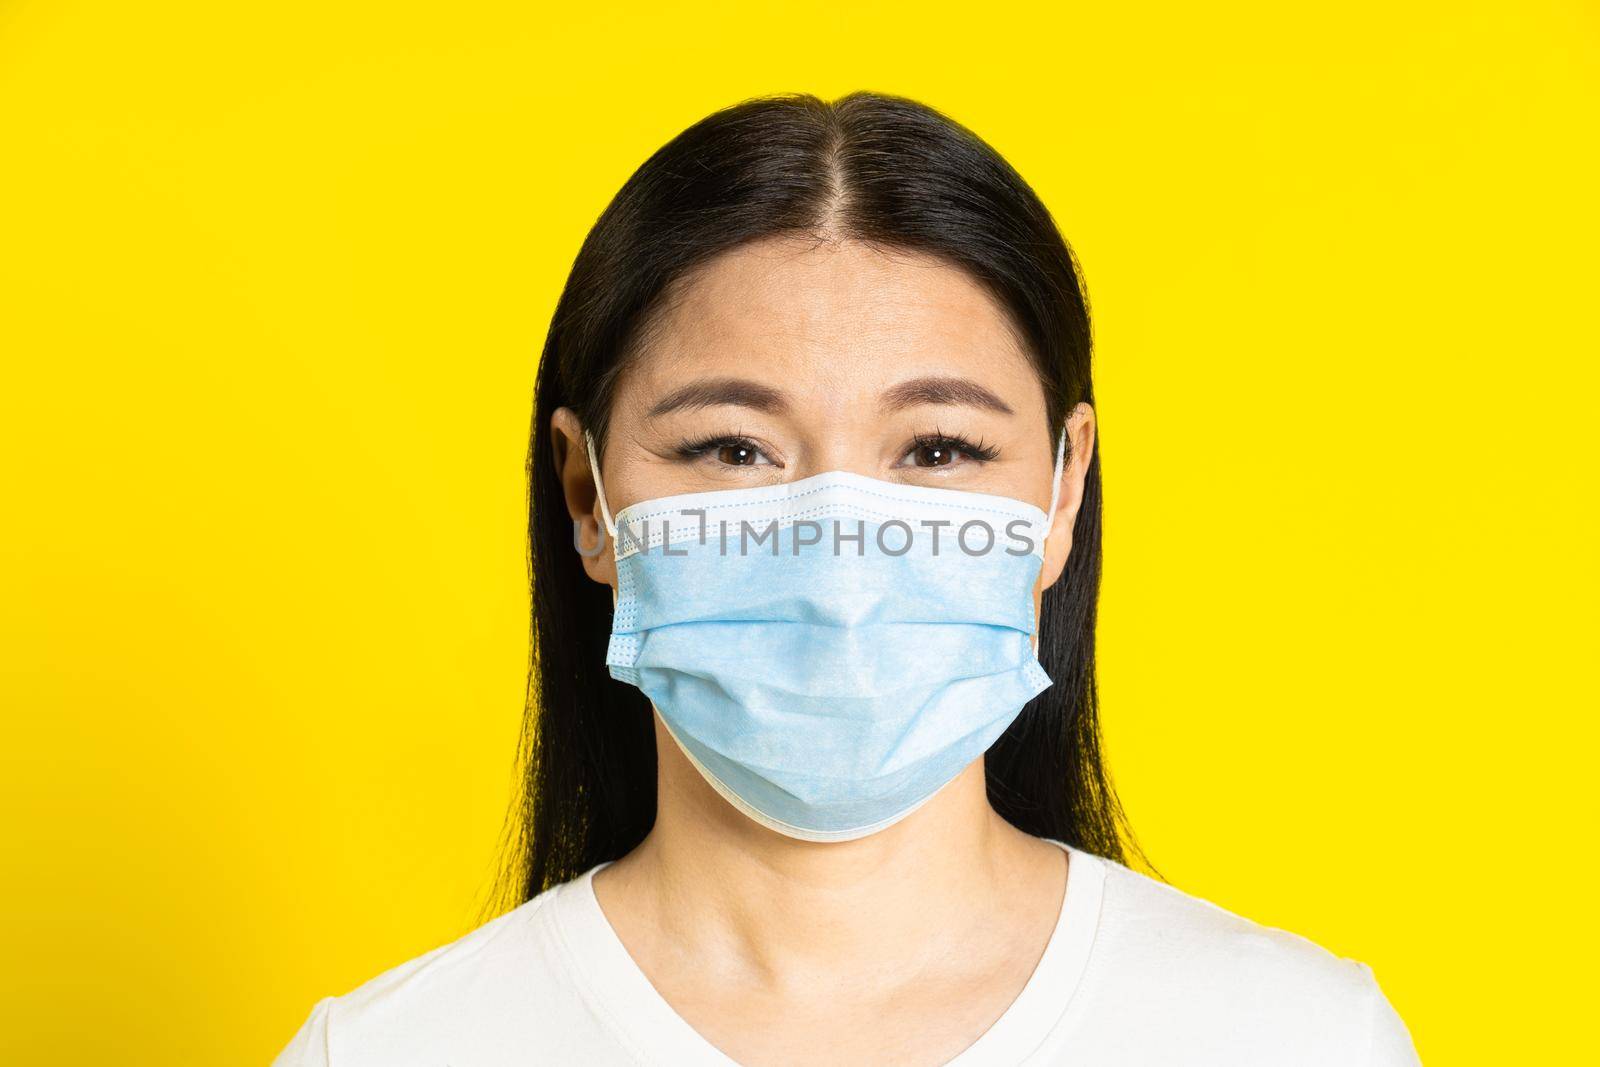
x=1136, y=972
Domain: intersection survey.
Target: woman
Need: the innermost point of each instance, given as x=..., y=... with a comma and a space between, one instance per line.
x=804, y=783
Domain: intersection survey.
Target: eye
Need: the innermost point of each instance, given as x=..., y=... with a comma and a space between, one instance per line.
x=934, y=455
x=738, y=455
x=945, y=450
x=730, y=450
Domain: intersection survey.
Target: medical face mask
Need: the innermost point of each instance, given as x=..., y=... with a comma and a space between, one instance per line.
x=830, y=652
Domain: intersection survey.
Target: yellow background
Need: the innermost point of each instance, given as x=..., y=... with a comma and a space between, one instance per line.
x=273, y=278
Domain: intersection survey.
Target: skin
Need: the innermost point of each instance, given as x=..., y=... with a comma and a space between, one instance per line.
x=908, y=944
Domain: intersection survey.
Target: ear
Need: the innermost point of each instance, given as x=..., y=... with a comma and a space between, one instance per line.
x=590, y=543
x=1080, y=450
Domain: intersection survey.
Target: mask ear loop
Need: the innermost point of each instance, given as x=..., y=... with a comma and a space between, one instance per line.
x=1050, y=517
x=600, y=490
x=1055, y=482
x=600, y=493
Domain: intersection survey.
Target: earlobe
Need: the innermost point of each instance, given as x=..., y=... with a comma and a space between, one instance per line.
x=1058, y=545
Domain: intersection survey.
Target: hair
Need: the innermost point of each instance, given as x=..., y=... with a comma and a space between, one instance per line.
x=869, y=167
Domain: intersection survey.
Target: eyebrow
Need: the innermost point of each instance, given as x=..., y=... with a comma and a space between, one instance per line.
x=942, y=391
x=709, y=392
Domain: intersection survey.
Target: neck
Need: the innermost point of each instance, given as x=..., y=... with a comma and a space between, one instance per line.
x=709, y=881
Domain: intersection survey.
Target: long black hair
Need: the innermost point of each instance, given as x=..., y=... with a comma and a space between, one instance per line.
x=871, y=167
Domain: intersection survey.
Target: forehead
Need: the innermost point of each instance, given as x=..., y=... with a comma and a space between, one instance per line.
x=841, y=316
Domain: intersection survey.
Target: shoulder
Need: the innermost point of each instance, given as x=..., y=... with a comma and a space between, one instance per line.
x=1221, y=981
x=474, y=996
x=1154, y=922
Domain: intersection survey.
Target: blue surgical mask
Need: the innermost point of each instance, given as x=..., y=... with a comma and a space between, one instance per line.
x=830, y=652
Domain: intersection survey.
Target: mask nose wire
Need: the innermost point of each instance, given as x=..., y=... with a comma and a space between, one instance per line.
x=611, y=528
x=600, y=490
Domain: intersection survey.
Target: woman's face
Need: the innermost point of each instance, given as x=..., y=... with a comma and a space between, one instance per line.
x=790, y=357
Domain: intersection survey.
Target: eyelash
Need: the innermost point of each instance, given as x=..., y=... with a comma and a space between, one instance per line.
x=978, y=451
x=700, y=446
